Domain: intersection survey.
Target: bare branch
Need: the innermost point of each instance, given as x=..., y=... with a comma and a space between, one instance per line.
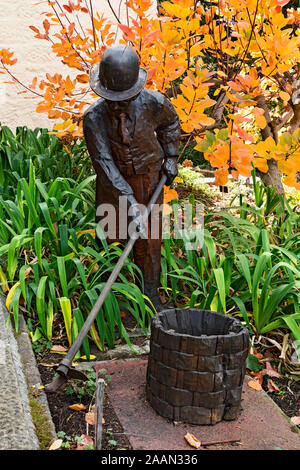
x=113, y=12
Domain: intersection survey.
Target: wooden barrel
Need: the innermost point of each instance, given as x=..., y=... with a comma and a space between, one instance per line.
x=196, y=365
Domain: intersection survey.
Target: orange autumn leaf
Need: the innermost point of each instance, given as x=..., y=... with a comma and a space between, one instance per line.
x=69, y=85
x=261, y=164
x=128, y=32
x=221, y=176
x=192, y=440
x=90, y=418
x=255, y=385
x=258, y=355
x=244, y=135
x=54, y=114
x=33, y=84
x=41, y=108
x=169, y=194
x=187, y=163
x=82, y=78
x=176, y=45
x=77, y=407
x=257, y=376
x=261, y=121
x=284, y=96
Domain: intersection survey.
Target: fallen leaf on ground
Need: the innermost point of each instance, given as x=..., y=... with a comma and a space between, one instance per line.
x=85, y=441
x=259, y=356
x=192, y=440
x=272, y=387
x=90, y=418
x=48, y=364
x=270, y=371
x=77, y=407
x=58, y=349
x=255, y=385
x=56, y=444
x=258, y=376
x=296, y=420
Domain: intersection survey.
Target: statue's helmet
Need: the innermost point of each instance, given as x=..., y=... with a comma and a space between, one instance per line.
x=118, y=76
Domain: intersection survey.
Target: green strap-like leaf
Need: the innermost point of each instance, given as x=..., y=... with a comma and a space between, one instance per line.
x=41, y=303
x=66, y=307
x=220, y=280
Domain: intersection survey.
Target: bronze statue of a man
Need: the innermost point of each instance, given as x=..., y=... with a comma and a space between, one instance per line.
x=132, y=136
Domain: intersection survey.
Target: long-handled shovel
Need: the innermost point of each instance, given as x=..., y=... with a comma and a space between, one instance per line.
x=65, y=369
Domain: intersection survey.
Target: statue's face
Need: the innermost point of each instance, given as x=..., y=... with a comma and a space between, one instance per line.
x=119, y=107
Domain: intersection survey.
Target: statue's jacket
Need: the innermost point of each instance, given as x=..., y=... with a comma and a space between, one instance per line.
x=154, y=130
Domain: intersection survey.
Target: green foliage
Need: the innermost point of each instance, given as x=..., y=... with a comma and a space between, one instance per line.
x=86, y=388
x=271, y=210
x=112, y=442
x=49, y=156
x=187, y=152
x=248, y=265
x=41, y=345
x=52, y=266
x=252, y=363
x=72, y=442
x=194, y=181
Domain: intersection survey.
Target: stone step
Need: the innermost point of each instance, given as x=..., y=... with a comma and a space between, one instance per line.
x=19, y=386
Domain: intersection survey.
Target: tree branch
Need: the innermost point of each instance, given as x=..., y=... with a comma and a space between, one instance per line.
x=273, y=176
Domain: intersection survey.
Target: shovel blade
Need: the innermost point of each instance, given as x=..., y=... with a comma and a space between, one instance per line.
x=62, y=379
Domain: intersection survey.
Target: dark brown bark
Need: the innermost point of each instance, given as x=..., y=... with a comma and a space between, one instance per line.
x=273, y=176
x=295, y=121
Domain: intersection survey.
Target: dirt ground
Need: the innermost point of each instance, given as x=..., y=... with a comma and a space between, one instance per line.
x=73, y=423
x=288, y=397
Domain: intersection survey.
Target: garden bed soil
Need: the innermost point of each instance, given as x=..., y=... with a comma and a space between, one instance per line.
x=288, y=397
x=73, y=423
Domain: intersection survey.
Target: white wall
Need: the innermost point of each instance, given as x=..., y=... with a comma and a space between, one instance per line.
x=34, y=57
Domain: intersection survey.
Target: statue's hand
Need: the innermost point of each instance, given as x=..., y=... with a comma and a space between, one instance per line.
x=136, y=216
x=139, y=221
x=171, y=170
